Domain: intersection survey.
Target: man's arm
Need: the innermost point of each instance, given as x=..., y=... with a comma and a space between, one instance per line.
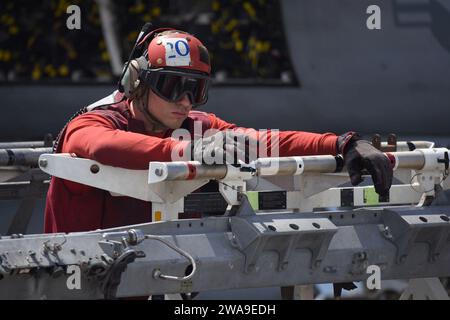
x=95, y=137
x=291, y=143
x=358, y=154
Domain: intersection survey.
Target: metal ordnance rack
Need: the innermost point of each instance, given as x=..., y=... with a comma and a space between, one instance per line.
x=21, y=179
x=289, y=221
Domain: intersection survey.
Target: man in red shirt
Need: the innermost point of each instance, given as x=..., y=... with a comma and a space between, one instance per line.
x=163, y=81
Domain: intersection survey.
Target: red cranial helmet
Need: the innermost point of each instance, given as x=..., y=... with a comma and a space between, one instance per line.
x=179, y=50
x=175, y=64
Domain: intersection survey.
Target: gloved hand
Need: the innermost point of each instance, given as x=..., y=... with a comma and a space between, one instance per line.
x=234, y=146
x=221, y=148
x=359, y=155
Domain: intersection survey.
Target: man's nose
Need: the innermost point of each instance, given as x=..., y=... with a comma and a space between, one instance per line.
x=185, y=101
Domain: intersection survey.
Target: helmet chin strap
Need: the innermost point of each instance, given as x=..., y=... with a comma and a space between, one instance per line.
x=156, y=125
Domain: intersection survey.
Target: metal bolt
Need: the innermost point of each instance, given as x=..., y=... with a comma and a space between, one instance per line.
x=159, y=172
x=329, y=269
x=95, y=168
x=159, y=61
x=156, y=273
x=158, y=42
x=43, y=163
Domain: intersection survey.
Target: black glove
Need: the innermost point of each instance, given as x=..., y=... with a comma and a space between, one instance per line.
x=359, y=155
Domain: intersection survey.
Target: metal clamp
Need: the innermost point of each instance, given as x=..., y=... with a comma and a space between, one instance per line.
x=406, y=230
x=254, y=235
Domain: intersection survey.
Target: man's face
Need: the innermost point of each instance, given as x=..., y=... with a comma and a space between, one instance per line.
x=171, y=114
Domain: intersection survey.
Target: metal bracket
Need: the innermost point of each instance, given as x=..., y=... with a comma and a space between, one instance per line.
x=244, y=209
x=232, y=191
x=405, y=230
x=253, y=236
x=359, y=263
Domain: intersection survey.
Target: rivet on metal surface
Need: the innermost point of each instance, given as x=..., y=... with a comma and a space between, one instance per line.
x=95, y=168
x=43, y=163
x=329, y=269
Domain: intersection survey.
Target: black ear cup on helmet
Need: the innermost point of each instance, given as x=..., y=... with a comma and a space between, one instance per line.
x=130, y=80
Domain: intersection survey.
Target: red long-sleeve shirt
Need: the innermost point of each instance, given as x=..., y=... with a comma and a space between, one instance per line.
x=113, y=137
x=95, y=137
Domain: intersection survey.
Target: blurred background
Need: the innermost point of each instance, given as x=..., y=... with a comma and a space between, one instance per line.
x=286, y=64
x=246, y=39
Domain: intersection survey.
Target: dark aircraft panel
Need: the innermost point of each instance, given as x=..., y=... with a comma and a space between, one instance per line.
x=391, y=80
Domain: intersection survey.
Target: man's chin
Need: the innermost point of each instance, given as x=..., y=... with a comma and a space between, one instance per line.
x=175, y=125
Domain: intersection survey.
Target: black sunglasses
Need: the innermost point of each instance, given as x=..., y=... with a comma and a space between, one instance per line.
x=172, y=85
